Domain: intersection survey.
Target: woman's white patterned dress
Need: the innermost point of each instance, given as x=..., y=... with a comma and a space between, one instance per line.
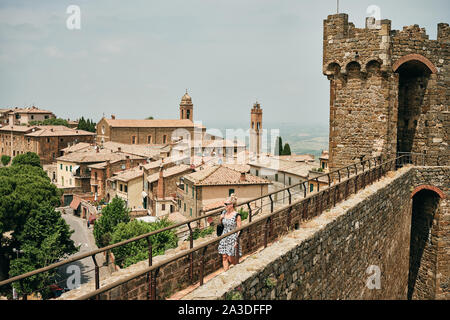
x=226, y=245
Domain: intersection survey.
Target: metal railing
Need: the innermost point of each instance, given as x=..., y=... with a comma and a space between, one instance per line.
x=376, y=167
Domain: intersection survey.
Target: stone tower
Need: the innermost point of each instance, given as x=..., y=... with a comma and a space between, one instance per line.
x=256, y=129
x=186, y=108
x=389, y=90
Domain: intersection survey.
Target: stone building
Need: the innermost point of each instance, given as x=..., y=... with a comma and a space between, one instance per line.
x=389, y=90
x=4, y=117
x=128, y=185
x=74, y=171
x=152, y=132
x=23, y=116
x=161, y=188
x=46, y=141
x=207, y=188
x=256, y=129
x=324, y=158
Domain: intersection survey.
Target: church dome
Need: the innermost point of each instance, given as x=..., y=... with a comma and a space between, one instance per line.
x=186, y=99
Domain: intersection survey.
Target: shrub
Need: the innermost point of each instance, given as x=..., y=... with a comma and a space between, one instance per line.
x=137, y=251
x=114, y=213
x=201, y=233
x=243, y=214
x=29, y=158
x=5, y=159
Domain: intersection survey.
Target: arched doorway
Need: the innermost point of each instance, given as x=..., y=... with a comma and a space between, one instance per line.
x=423, y=247
x=413, y=101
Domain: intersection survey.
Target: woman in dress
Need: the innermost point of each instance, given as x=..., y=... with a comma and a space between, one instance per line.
x=231, y=220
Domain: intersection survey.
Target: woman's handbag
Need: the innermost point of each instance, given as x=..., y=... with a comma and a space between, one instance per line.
x=220, y=227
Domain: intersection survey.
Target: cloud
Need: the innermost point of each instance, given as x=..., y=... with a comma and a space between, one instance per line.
x=111, y=46
x=53, y=52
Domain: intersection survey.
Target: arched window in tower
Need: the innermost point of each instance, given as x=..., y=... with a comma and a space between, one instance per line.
x=253, y=125
x=182, y=114
x=258, y=125
x=188, y=114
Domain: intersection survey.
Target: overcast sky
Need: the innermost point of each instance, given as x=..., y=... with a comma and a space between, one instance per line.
x=136, y=58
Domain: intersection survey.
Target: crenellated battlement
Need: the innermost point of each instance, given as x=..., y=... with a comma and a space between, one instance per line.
x=345, y=44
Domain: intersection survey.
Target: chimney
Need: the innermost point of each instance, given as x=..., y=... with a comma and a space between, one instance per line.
x=243, y=179
x=160, y=191
x=108, y=169
x=127, y=162
x=113, y=117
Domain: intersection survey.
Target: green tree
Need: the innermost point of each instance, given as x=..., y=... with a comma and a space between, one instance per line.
x=279, y=147
x=29, y=158
x=136, y=251
x=35, y=230
x=86, y=125
x=114, y=213
x=50, y=122
x=287, y=150
x=44, y=241
x=149, y=118
x=5, y=159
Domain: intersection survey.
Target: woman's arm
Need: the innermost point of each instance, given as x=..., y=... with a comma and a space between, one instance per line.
x=238, y=221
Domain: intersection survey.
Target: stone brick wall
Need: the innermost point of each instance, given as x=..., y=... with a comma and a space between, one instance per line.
x=329, y=257
x=48, y=148
x=124, y=135
x=435, y=280
x=388, y=91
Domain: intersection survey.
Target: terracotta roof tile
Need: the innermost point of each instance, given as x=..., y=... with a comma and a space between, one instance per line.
x=221, y=175
x=58, y=131
x=93, y=156
x=150, y=123
x=169, y=172
x=128, y=175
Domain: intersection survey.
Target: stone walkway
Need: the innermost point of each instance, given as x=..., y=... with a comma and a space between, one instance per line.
x=181, y=294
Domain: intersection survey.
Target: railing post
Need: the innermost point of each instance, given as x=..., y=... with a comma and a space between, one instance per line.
x=153, y=297
x=271, y=204
x=97, y=276
x=236, y=252
x=249, y=212
x=266, y=232
x=191, y=256
x=150, y=263
x=339, y=175
x=289, y=218
x=348, y=172
x=329, y=180
x=202, y=268
x=290, y=196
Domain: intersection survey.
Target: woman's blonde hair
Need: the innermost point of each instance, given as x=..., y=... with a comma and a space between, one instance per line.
x=233, y=199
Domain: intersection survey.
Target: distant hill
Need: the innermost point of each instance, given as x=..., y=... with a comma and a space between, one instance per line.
x=303, y=139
